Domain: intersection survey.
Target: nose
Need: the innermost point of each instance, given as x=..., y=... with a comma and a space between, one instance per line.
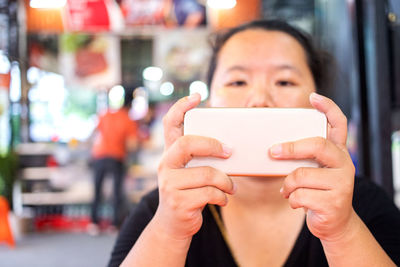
x=259, y=96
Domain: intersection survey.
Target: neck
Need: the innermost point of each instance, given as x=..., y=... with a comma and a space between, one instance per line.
x=256, y=192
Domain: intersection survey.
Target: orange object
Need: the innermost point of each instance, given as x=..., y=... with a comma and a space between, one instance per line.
x=244, y=11
x=5, y=81
x=5, y=229
x=44, y=19
x=114, y=129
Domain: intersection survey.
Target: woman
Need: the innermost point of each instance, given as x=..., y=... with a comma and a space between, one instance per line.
x=202, y=217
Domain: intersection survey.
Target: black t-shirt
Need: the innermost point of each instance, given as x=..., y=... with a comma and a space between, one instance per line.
x=208, y=247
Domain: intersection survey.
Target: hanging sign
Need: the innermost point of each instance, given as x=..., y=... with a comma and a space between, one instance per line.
x=87, y=15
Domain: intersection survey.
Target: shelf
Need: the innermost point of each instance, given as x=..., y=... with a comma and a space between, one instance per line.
x=74, y=182
x=37, y=173
x=34, y=149
x=54, y=198
x=80, y=193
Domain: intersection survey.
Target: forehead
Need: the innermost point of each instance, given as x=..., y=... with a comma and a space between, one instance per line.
x=259, y=47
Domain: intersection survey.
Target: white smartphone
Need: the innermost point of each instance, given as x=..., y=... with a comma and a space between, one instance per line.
x=250, y=132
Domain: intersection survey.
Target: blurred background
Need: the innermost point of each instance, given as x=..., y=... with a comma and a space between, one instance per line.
x=64, y=62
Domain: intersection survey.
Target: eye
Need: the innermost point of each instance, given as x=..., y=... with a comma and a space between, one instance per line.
x=284, y=83
x=237, y=83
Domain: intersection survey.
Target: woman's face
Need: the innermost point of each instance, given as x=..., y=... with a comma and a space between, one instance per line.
x=258, y=68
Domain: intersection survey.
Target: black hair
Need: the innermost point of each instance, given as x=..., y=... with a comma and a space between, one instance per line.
x=128, y=97
x=320, y=62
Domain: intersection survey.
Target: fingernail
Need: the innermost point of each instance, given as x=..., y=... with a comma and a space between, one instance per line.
x=234, y=188
x=316, y=97
x=227, y=151
x=276, y=150
x=193, y=97
x=281, y=190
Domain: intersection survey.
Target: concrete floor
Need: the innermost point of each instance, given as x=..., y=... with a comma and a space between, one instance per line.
x=58, y=249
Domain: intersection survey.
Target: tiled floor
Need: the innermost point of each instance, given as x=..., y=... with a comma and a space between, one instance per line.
x=58, y=249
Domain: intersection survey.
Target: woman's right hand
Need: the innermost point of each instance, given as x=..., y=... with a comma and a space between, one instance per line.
x=185, y=191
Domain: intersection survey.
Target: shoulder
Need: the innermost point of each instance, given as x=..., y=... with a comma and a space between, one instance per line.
x=370, y=200
x=101, y=116
x=151, y=199
x=368, y=194
x=123, y=112
x=141, y=214
x=133, y=226
x=379, y=213
x=363, y=187
x=148, y=203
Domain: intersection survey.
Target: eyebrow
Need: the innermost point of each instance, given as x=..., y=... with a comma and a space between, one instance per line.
x=288, y=67
x=236, y=68
x=277, y=67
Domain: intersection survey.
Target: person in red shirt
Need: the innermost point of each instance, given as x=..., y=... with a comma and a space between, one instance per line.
x=115, y=135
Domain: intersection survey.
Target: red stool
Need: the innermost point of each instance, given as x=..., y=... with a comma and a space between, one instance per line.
x=5, y=229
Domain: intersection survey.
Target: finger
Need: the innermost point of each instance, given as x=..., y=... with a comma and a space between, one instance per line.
x=317, y=148
x=205, y=195
x=192, y=178
x=312, y=178
x=337, y=132
x=173, y=120
x=310, y=199
x=188, y=146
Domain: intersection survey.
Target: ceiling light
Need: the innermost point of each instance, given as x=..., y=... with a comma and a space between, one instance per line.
x=221, y=4
x=199, y=87
x=167, y=88
x=47, y=3
x=152, y=74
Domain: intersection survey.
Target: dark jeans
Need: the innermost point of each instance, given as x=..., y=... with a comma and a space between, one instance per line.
x=102, y=167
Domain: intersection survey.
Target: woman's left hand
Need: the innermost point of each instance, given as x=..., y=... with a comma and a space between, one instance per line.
x=325, y=193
